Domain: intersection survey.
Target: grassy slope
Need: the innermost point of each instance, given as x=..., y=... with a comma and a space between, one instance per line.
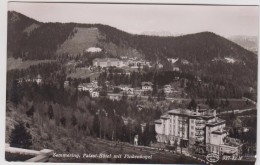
x=83, y=73
x=13, y=63
x=85, y=38
x=82, y=40
x=30, y=28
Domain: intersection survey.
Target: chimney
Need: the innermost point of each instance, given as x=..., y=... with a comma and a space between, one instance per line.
x=214, y=113
x=197, y=110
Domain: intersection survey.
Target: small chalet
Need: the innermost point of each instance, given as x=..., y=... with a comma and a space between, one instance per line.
x=94, y=94
x=147, y=86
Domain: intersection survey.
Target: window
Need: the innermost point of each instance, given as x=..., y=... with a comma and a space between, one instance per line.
x=192, y=127
x=191, y=133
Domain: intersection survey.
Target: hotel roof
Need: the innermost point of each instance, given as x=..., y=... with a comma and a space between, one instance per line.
x=216, y=123
x=147, y=83
x=186, y=112
x=165, y=117
x=158, y=121
x=218, y=132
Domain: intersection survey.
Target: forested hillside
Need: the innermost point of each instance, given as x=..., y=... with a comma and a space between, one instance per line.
x=203, y=54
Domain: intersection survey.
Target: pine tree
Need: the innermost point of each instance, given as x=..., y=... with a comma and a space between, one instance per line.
x=73, y=120
x=96, y=126
x=30, y=112
x=20, y=137
x=50, y=112
x=155, y=90
x=192, y=105
x=63, y=121
x=14, y=96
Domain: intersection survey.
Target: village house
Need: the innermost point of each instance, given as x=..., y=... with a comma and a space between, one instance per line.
x=37, y=79
x=205, y=85
x=172, y=60
x=143, y=125
x=201, y=129
x=133, y=58
x=87, y=87
x=251, y=90
x=66, y=84
x=130, y=91
x=176, y=78
x=140, y=107
x=138, y=91
x=94, y=84
x=123, y=57
x=176, y=69
x=135, y=63
x=114, y=96
x=126, y=88
x=127, y=73
x=123, y=87
x=127, y=120
x=185, y=62
x=147, y=86
x=167, y=89
x=94, y=94
x=72, y=63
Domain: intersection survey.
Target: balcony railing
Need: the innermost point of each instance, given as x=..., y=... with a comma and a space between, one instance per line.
x=200, y=138
x=199, y=133
x=35, y=156
x=200, y=121
x=200, y=127
x=200, y=124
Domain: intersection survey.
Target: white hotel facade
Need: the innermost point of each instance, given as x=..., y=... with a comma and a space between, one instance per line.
x=201, y=129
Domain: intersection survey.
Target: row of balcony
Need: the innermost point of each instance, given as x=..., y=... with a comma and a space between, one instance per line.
x=200, y=121
x=199, y=139
x=199, y=134
x=199, y=127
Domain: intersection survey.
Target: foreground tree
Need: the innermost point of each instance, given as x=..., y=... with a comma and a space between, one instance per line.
x=50, y=112
x=20, y=137
x=192, y=105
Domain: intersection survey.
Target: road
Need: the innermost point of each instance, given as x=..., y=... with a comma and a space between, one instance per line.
x=237, y=111
x=158, y=156
x=186, y=99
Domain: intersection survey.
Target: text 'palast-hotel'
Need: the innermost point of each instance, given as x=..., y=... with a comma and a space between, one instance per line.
x=200, y=128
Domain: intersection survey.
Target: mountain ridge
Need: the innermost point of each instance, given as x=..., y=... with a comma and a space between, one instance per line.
x=199, y=49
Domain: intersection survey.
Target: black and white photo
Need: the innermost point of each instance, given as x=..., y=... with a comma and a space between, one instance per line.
x=131, y=83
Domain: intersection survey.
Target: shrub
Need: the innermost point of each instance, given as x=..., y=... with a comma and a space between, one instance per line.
x=20, y=137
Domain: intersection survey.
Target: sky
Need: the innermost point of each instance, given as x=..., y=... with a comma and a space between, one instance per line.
x=136, y=19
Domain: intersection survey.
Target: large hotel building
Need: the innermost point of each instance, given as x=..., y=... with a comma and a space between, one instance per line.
x=200, y=129
x=107, y=62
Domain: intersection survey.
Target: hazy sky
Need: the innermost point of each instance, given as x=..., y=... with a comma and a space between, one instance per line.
x=223, y=20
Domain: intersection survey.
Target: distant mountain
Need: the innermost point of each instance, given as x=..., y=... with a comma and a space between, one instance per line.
x=158, y=33
x=248, y=42
x=204, y=54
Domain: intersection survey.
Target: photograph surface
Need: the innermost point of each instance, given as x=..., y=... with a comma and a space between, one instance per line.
x=131, y=83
